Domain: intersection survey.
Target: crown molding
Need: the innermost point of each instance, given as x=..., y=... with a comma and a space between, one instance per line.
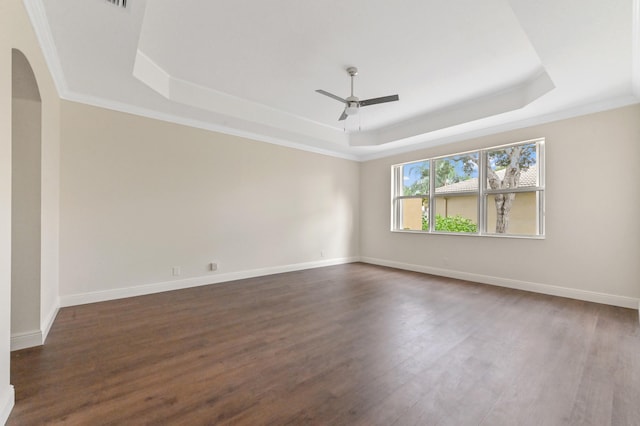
x=511, y=98
x=38, y=16
x=181, y=91
x=598, y=106
x=199, y=124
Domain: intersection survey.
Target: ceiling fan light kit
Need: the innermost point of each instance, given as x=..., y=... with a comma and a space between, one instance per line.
x=351, y=108
x=352, y=103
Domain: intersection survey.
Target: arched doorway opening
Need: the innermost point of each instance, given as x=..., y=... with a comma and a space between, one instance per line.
x=26, y=210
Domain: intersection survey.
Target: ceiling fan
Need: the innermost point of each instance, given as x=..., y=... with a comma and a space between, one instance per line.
x=352, y=104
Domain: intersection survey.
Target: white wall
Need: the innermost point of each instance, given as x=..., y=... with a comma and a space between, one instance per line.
x=6, y=391
x=592, y=243
x=140, y=196
x=16, y=32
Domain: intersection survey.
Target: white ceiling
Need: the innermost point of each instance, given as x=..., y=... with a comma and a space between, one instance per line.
x=251, y=67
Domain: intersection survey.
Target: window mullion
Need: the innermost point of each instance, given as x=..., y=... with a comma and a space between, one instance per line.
x=482, y=202
x=541, y=182
x=514, y=190
x=432, y=198
x=408, y=197
x=396, y=210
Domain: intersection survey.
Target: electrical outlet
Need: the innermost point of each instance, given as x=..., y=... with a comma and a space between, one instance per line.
x=175, y=271
x=321, y=253
x=213, y=266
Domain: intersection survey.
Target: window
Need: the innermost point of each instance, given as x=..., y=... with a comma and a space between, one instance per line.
x=456, y=193
x=495, y=191
x=413, y=181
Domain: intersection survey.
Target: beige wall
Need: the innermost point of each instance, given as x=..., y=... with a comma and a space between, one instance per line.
x=16, y=32
x=584, y=249
x=140, y=196
x=26, y=213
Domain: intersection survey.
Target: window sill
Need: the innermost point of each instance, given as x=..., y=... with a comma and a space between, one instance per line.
x=460, y=234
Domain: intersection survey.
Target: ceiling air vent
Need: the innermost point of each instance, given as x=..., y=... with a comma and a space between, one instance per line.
x=122, y=3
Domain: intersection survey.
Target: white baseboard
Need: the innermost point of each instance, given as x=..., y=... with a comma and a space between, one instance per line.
x=30, y=339
x=27, y=339
x=572, y=293
x=120, y=293
x=7, y=400
x=48, y=321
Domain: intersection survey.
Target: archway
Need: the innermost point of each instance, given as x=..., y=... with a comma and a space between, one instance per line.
x=26, y=190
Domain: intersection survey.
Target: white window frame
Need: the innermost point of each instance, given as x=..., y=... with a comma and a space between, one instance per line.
x=482, y=193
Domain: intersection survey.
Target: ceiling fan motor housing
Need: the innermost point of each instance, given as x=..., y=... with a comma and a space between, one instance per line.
x=352, y=105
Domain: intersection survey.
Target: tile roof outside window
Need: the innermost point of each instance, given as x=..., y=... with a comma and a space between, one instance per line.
x=528, y=177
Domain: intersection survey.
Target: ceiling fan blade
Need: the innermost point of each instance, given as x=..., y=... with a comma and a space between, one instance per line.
x=381, y=100
x=343, y=116
x=331, y=95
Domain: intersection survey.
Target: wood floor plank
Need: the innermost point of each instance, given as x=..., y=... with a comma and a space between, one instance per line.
x=342, y=345
x=550, y=369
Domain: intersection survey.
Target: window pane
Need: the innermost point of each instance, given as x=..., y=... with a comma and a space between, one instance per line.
x=413, y=212
x=457, y=173
x=415, y=178
x=518, y=213
x=513, y=167
x=457, y=214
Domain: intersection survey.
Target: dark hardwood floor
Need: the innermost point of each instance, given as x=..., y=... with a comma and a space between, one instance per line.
x=352, y=344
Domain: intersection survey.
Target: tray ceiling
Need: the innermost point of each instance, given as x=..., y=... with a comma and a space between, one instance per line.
x=251, y=67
